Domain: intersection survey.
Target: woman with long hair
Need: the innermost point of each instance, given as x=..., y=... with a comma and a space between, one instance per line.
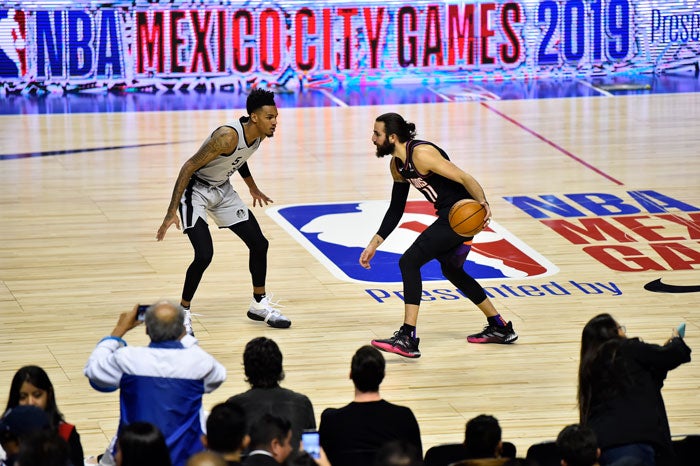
x=141, y=444
x=31, y=386
x=619, y=391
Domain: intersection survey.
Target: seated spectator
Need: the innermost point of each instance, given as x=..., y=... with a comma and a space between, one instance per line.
x=482, y=439
x=519, y=462
x=16, y=425
x=141, y=444
x=262, y=363
x=206, y=458
x=162, y=383
x=353, y=434
x=398, y=453
x=578, y=446
x=44, y=448
x=270, y=441
x=484, y=462
x=226, y=432
x=31, y=386
x=619, y=391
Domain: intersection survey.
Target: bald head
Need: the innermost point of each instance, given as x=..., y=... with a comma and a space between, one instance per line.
x=165, y=321
x=206, y=458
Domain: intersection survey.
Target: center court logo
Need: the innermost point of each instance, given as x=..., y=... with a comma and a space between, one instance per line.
x=337, y=233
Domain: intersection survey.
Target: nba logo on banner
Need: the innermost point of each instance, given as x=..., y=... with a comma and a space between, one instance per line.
x=336, y=234
x=13, y=41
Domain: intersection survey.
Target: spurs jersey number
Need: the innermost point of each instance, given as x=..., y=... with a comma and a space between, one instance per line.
x=235, y=165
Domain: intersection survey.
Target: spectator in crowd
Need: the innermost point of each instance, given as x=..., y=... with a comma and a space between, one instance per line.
x=482, y=439
x=270, y=441
x=44, y=448
x=31, y=386
x=162, y=383
x=16, y=425
x=353, y=434
x=207, y=458
x=578, y=446
x=398, y=453
x=141, y=444
x=619, y=391
x=226, y=432
x=262, y=363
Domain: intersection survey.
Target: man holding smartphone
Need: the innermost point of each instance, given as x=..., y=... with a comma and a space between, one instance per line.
x=162, y=383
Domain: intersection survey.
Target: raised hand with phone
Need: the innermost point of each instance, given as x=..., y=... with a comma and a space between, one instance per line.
x=627, y=408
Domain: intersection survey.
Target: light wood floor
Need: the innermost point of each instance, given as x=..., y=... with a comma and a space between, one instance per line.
x=77, y=248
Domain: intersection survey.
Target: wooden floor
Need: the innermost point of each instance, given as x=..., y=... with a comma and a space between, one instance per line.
x=77, y=248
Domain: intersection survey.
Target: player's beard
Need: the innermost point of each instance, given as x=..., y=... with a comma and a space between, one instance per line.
x=385, y=149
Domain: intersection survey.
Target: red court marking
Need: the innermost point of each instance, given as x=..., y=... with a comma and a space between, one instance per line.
x=557, y=147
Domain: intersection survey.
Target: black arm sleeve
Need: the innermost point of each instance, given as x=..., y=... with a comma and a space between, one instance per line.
x=244, y=171
x=399, y=194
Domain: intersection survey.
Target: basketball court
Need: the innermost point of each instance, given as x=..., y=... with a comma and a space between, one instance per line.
x=594, y=189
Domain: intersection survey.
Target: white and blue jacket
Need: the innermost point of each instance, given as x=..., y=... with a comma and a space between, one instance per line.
x=162, y=383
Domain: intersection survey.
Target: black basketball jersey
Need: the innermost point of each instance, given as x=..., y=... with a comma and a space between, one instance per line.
x=440, y=191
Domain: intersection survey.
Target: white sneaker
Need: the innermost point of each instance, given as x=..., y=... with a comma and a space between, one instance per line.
x=266, y=311
x=188, y=320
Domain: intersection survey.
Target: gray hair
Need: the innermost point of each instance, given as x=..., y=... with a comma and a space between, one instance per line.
x=165, y=326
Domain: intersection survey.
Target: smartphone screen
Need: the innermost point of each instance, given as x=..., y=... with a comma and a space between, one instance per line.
x=141, y=312
x=311, y=443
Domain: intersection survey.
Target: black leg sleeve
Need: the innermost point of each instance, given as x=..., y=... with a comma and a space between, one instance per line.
x=251, y=234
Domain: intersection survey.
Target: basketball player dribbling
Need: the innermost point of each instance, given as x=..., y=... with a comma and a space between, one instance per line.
x=203, y=187
x=428, y=168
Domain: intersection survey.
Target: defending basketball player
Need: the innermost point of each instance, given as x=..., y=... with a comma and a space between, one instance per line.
x=203, y=187
x=428, y=168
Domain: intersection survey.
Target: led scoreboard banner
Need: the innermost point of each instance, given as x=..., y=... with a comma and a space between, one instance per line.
x=74, y=45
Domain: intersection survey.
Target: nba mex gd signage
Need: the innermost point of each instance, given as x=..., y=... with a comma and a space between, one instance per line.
x=640, y=231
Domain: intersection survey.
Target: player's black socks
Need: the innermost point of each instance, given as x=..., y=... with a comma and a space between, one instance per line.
x=258, y=297
x=408, y=330
x=497, y=321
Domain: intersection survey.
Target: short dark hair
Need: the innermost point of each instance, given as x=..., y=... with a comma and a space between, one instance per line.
x=44, y=447
x=226, y=427
x=578, y=445
x=367, y=369
x=398, y=453
x=258, y=98
x=143, y=444
x=482, y=436
x=395, y=124
x=267, y=428
x=262, y=363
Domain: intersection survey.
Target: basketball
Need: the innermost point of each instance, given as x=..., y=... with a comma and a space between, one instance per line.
x=467, y=217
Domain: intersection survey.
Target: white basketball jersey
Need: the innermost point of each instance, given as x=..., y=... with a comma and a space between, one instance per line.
x=219, y=170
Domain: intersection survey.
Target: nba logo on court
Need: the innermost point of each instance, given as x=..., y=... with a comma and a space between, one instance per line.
x=336, y=234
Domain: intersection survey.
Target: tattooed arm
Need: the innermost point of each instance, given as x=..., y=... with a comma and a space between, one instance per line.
x=222, y=141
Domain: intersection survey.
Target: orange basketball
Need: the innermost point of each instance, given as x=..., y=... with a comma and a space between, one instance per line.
x=467, y=217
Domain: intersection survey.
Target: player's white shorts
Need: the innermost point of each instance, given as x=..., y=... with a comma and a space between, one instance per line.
x=222, y=204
